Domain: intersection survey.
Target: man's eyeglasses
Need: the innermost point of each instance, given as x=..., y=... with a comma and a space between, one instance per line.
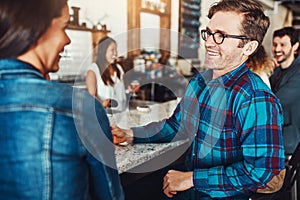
x=219, y=37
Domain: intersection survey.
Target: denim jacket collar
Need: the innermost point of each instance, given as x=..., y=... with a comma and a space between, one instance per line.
x=13, y=68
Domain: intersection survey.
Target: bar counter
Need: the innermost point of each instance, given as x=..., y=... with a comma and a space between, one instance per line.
x=132, y=156
x=129, y=157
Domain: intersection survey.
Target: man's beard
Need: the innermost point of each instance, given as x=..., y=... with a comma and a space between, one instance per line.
x=281, y=61
x=285, y=57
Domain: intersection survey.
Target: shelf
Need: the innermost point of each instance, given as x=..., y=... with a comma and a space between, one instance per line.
x=78, y=28
x=155, y=12
x=100, y=31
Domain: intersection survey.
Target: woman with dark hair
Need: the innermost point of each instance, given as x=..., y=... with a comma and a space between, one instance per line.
x=104, y=79
x=48, y=150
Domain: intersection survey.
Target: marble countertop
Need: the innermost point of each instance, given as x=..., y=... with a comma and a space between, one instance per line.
x=131, y=156
x=137, y=117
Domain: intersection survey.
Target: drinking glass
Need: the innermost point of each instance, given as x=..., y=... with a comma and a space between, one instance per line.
x=134, y=87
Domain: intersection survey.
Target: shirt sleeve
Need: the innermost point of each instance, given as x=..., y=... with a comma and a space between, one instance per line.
x=181, y=125
x=157, y=132
x=260, y=119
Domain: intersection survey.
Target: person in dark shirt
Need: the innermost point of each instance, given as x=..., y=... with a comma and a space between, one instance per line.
x=285, y=83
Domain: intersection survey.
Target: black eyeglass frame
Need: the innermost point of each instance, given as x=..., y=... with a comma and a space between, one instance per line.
x=208, y=33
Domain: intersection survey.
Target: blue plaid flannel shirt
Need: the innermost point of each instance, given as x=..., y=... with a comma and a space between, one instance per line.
x=235, y=125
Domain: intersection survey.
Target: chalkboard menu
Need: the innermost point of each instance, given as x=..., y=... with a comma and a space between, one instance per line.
x=189, y=28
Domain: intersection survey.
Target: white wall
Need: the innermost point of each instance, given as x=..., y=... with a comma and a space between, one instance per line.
x=114, y=14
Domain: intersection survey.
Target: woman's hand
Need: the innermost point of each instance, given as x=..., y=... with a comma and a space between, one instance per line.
x=275, y=63
x=105, y=103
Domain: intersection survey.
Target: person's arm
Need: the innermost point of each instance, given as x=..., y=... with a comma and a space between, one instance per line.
x=260, y=121
x=96, y=146
x=165, y=130
x=104, y=181
x=182, y=124
x=91, y=84
x=162, y=131
x=178, y=126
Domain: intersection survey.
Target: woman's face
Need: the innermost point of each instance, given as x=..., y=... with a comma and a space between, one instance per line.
x=111, y=53
x=52, y=42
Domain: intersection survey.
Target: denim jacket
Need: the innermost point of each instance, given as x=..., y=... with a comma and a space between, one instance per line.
x=50, y=146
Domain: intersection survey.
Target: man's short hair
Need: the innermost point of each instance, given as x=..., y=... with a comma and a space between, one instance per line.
x=289, y=31
x=254, y=23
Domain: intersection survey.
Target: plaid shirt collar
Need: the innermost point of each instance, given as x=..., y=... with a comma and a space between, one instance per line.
x=227, y=79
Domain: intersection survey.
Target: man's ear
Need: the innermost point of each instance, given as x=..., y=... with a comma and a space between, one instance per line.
x=295, y=47
x=250, y=47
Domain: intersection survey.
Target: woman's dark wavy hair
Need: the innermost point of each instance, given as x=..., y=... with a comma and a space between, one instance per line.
x=22, y=22
x=254, y=24
x=103, y=63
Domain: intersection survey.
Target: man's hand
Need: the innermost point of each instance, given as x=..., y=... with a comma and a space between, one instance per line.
x=121, y=135
x=175, y=181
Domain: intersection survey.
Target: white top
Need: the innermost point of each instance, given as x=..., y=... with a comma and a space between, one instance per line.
x=263, y=75
x=116, y=92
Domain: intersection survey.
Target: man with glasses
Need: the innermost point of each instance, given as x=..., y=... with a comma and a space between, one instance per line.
x=231, y=117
